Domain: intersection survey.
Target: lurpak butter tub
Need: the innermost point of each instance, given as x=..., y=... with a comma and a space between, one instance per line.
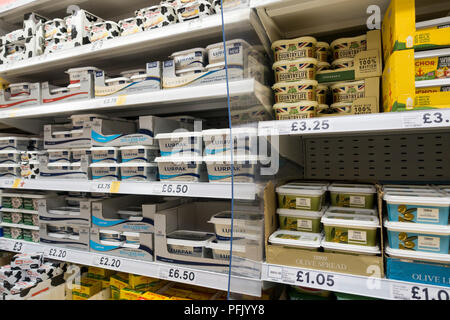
x=132, y=171
x=180, y=168
x=59, y=155
x=216, y=53
x=188, y=243
x=322, y=51
x=296, y=70
x=105, y=171
x=221, y=250
x=9, y=170
x=350, y=228
x=418, y=236
x=294, y=49
x=291, y=196
x=291, y=92
x=244, y=169
x=348, y=91
x=218, y=141
x=139, y=153
x=299, y=220
x=245, y=225
x=296, y=239
x=348, y=47
x=189, y=59
x=10, y=156
x=78, y=153
x=430, y=208
x=352, y=195
x=105, y=154
x=180, y=143
x=297, y=110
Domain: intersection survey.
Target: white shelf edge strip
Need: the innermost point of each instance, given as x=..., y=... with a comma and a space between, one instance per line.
x=389, y=121
x=244, y=191
x=21, y=226
x=202, y=278
x=346, y=283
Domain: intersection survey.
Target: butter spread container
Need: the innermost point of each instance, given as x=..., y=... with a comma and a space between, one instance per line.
x=9, y=170
x=189, y=71
x=291, y=196
x=300, y=220
x=59, y=155
x=139, y=153
x=429, y=208
x=296, y=70
x=322, y=66
x=353, y=249
x=189, y=58
x=181, y=168
x=418, y=236
x=105, y=171
x=180, y=143
x=221, y=250
x=297, y=110
x=343, y=63
x=322, y=51
x=245, y=225
x=105, y=154
x=19, y=89
x=216, y=53
x=352, y=195
x=14, y=143
x=188, y=243
x=296, y=239
x=290, y=92
x=78, y=153
x=244, y=169
x=340, y=108
x=218, y=141
x=348, y=47
x=350, y=229
x=133, y=72
x=10, y=156
x=303, y=47
x=348, y=91
x=321, y=94
x=132, y=171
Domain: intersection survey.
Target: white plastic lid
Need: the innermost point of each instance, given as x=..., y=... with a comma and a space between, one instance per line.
x=74, y=85
x=109, y=231
x=419, y=255
x=104, y=164
x=181, y=134
x=189, y=238
x=406, y=186
x=137, y=164
x=65, y=211
x=131, y=234
x=344, y=210
x=225, y=245
x=434, y=199
x=130, y=212
x=417, y=227
x=177, y=159
x=61, y=132
x=249, y=131
x=104, y=148
x=301, y=213
x=352, y=188
x=301, y=190
x=228, y=43
x=350, y=220
x=296, y=239
x=138, y=76
x=252, y=159
x=57, y=90
x=187, y=52
x=350, y=247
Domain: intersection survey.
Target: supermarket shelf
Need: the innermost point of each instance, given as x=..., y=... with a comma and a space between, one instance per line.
x=243, y=191
x=2, y=209
x=22, y=226
x=151, y=269
x=404, y=122
x=133, y=50
x=193, y=99
x=359, y=285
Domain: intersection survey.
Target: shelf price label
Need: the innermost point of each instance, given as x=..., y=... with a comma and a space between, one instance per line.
x=178, y=274
x=105, y=187
x=426, y=119
x=315, y=278
x=8, y=245
x=404, y=291
x=174, y=189
x=6, y=183
x=316, y=126
x=113, y=263
x=305, y=278
x=18, y=183
x=56, y=253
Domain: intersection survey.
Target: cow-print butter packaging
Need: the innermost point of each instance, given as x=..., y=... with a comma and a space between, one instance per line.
x=27, y=261
x=157, y=16
x=103, y=31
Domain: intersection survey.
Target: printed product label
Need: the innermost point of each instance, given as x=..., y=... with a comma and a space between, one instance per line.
x=427, y=215
x=358, y=201
x=303, y=203
x=357, y=235
x=428, y=243
x=304, y=224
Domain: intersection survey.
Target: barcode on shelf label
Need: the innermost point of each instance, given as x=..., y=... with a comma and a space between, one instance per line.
x=274, y=273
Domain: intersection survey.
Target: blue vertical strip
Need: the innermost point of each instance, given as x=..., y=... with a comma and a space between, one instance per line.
x=231, y=147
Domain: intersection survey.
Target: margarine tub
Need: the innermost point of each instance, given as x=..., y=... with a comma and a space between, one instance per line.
x=245, y=225
x=296, y=239
x=10, y=156
x=348, y=47
x=139, y=153
x=352, y=195
x=75, y=74
x=353, y=249
x=296, y=70
x=322, y=66
x=300, y=220
x=188, y=59
x=221, y=249
x=180, y=168
x=350, y=228
x=9, y=170
x=418, y=236
x=59, y=155
x=216, y=53
x=105, y=171
x=180, y=143
x=244, y=168
x=294, y=49
x=218, y=141
x=321, y=94
x=348, y=91
x=19, y=89
x=291, y=196
x=133, y=171
x=291, y=92
x=358, y=211
x=105, y=154
x=428, y=208
x=298, y=110
x=343, y=63
x=322, y=51
x=78, y=153
x=188, y=243
x=194, y=10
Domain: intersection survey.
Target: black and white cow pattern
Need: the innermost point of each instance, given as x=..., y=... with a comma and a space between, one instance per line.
x=189, y=11
x=127, y=25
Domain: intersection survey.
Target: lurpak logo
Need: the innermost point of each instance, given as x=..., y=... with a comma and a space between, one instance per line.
x=174, y=168
x=226, y=168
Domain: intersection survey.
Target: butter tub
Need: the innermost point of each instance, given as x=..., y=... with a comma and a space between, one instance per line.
x=428, y=208
x=10, y=156
x=296, y=239
x=291, y=196
x=59, y=155
x=296, y=70
x=245, y=225
x=142, y=154
x=300, y=220
x=418, y=236
x=244, y=169
x=9, y=170
x=218, y=141
x=322, y=51
x=348, y=91
x=348, y=47
x=105, y=154
x=298, y=110
x=291, y=92
x=180, y=143
x=188, y=59
x=188, y=243
x=351, y=229
x=105, y=171
x=133, y=171
x=321, y=94
x=352, y=249
x=293, y=49
x=221, y=250
x=181, y=168
x=352, y=195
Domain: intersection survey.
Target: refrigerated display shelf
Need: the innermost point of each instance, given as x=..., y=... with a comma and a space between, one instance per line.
x=15, y=225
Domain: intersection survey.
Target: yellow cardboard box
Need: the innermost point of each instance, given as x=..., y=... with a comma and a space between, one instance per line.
x=87, y=287
x=118, y=282
x=129, y=294
x=432, y=37
x=142, y=283
x=432, y=97
x=99, y=273
x=153, y=296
